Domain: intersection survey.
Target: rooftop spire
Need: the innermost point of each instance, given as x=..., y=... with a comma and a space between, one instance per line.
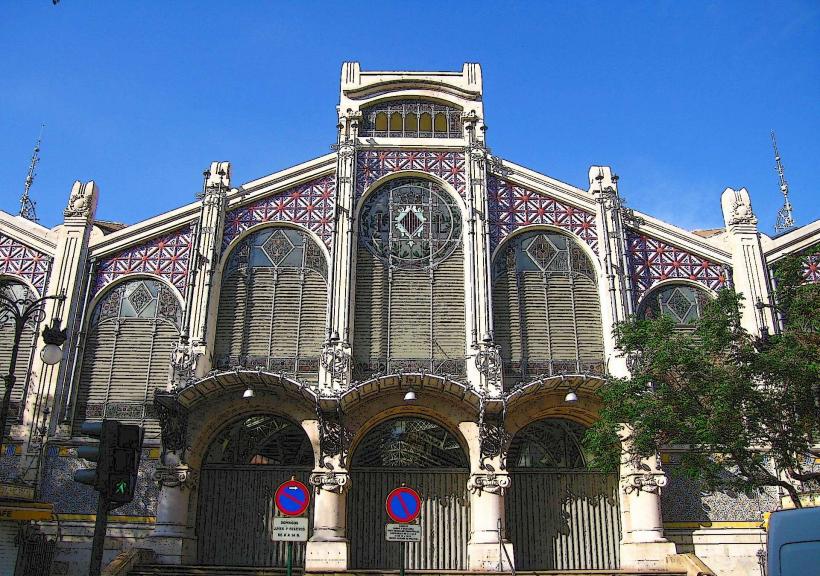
x=26, y=203
x=785, y=221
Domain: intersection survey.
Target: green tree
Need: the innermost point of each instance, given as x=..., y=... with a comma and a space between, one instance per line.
x=744, y=409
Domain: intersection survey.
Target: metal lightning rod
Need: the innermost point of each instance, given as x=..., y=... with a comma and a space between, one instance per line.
x=26, y=203
x=784, y=221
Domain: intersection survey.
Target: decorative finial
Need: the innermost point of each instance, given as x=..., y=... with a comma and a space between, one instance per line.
x=26, y=203
x=784, y=221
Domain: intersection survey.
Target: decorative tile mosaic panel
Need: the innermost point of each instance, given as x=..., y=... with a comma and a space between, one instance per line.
x=17, y=259
x=683, y=501
x=310, y=204
x=166, y=256
x=71, y=497
x=513, y=206
x=373, y=164
x=651, y=261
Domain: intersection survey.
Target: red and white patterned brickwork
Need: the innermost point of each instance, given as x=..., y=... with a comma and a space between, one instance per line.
x=310, y=204
x=513, y=206
x=19, y=260
x=166, y=257
x=373, y=164
x=652, y=261
x=811, y=268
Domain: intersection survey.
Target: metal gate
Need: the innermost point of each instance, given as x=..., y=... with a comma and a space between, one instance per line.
x=427, y=458
x=236, y=513
x=243, y=467
x=445, y=519
x=560, y=514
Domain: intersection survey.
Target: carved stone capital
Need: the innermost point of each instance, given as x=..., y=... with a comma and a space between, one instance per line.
x=179, y=476
x=491, y=483
x=330, y=481
x=651, y=482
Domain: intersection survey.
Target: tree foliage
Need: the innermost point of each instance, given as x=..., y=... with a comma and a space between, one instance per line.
x=745, y=410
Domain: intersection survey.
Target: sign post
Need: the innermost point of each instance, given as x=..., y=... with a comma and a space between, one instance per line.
x=403, y=506
x=292, y=498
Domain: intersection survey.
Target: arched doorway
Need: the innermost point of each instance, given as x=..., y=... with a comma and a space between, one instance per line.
x=426, y=457
x=241, y=470
x=560, y=514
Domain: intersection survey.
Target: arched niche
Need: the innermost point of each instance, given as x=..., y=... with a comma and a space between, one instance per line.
x=546, y=309
x=273, y=304
x=409, y=308
x=132, y=332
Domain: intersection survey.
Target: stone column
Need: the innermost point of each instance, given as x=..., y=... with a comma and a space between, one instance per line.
x=328, y=546
x=487, y=484
x=749, y=270
x=173, y=540
x=643, y=544
x=66, y=278
x=191, y=359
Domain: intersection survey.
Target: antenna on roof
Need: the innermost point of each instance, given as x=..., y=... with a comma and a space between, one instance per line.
x=784, y=221
x=26, y=203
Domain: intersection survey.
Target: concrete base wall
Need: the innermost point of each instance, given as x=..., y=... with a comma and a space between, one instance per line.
x=727, y=551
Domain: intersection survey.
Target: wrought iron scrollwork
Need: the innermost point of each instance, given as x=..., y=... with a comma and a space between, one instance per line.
x=336, y=361
x=173, y=420
x=488, y=362
x=493, y=439
x=334, y=437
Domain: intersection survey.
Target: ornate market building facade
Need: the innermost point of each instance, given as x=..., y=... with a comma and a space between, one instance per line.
x=408, y=308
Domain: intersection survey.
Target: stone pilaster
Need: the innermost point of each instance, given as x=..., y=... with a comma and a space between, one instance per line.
x=192, y=359
x=336, y=366
x=749, y=272
x=67, y=279
x=173, y=540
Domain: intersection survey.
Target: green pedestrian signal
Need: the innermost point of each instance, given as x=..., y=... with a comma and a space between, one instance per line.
x=120, y=487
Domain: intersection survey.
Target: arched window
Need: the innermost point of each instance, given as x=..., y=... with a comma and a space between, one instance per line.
x=273, y=304
x=409, y=443
x=552, y=443
x=409, y=282
x=411, y=119
x=132, y=334
x=683, y=303
x=546, y=308
x=17, y=292
x=261, y=440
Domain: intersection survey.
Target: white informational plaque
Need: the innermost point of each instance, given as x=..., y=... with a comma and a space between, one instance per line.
x=402, y=532
x=290, y=530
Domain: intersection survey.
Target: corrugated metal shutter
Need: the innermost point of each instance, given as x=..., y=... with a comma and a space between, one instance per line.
x=564, y=520
x=410, y=315
x=286, y=312
x=562, y=320
x=230, y=322
x=536, y=324
x=448, y=307
x=314, y=310
x=370, y=329
x=24, y=353
x=260, y=289
x=588, y=317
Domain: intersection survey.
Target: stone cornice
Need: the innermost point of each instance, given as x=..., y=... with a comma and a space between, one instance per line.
x=29, y=233
x=790, y=242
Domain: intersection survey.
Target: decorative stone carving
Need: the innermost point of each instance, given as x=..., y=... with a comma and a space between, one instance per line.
x=491, y=482
x=81, y=201
x=334, y=437
x=742, y=212
x=183, y=363
x=651, y=482
x=179, y=476
x=330, y=481
x=336, y=361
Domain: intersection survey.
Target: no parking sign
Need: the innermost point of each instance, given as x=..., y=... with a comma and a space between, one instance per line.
x=403, y=505
x=292, y=498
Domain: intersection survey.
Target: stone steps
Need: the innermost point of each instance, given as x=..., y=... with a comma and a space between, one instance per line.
x=166, y=570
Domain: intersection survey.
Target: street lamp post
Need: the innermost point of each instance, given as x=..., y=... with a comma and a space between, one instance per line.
x=21, y=310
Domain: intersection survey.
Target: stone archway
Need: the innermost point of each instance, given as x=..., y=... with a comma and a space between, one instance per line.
x=241, y=469
x=560, y=514
x=427, y=457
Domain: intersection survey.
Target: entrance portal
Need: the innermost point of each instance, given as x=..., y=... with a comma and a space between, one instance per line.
x=560, y=515
x=244, y=465
x=426, y=457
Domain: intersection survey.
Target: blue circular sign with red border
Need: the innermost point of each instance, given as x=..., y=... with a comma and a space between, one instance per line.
x=403, y=505
x=292, y=498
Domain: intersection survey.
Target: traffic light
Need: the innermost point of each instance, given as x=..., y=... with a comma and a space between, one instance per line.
x=117, y=456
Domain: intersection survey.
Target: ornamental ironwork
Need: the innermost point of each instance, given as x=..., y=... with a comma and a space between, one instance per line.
x=682, y=303
x=139, y=299
x=550, y=443
x=409, y=443
x=493, y=439
x=410, y=223
x=173, y=421
x=277, y=248
x=411, y=119
x=334, y=437
x=261, y=440
x=550, y=254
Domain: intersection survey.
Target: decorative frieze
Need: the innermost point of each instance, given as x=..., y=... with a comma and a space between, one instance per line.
x=19, y=260
x=373, y=164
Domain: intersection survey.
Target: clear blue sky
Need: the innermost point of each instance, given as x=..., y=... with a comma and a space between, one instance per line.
x=678, y=97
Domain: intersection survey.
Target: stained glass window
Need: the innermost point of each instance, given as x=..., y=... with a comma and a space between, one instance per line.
x=143, y=298
x=410, y=223
x=682, y=303
x=278, y=248
x=411, y=119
